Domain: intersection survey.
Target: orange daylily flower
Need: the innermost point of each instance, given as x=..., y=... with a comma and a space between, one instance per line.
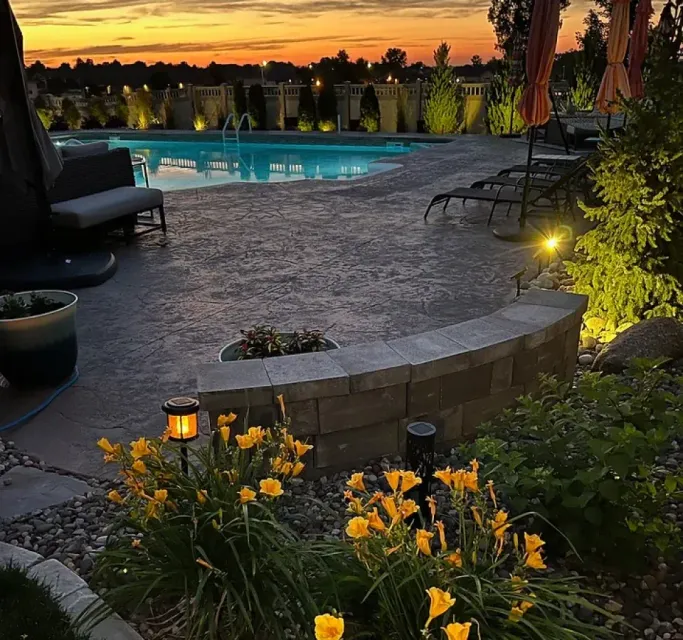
x=393, y=478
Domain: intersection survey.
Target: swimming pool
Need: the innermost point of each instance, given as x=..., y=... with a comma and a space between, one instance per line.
x=174, y=164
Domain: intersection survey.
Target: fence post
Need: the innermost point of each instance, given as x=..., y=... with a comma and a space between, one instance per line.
x=347, y=100
x=282, y=97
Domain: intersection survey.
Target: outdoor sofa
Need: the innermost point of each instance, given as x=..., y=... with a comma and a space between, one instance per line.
x=96, y=190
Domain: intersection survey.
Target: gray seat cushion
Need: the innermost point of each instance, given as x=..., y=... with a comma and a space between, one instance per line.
x=88, y=211
x=80, y=150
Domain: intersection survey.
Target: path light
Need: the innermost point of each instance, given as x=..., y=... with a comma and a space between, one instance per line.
x=182, y=424
x=317, y=83
x=420, y=458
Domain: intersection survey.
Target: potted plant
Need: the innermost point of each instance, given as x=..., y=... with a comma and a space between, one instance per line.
x=38, y=344
x=265, y=341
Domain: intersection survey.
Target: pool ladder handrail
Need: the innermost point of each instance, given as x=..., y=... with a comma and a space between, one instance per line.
x=230, y=118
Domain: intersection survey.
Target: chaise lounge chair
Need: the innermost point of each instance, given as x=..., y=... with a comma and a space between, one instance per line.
x=556, y=194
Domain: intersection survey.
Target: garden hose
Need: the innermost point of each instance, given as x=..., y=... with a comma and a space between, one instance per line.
x=43, y=405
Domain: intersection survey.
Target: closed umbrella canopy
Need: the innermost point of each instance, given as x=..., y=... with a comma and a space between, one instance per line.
x=639, y=48
x=545, y=23
x=615, y=80
x=26, y=151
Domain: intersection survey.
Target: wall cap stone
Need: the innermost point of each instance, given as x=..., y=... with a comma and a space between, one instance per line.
x=372, y=366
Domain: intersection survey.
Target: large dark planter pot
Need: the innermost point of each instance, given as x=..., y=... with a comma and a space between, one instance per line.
x=41, y=350
x=231, y=350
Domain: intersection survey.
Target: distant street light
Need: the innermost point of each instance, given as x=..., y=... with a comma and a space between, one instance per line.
x=369, y=65
x=264, y=64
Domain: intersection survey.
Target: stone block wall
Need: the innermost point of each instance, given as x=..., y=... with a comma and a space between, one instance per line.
x=355, y=403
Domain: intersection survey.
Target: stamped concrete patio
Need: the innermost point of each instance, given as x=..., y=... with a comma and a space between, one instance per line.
x=353, y=258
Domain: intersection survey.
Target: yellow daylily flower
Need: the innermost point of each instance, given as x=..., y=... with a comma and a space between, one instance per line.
x=442, y=534
x=475, y=465
x=204, y=564
x=358, y=527
x=140, y=448
x=355, y=503
x=356, y=482
x=445, y=475
x=431, y=501
x=499, y=524
x=518, y=610
x=297, y=469
x=106, y=446
x=389, y=505
x=225, y=420
x=455, y=559
x=139, y=467
x=328, y=627
x=231, y=474
x=152, y=510
x=244, y=441
x=423, y=540
x=408, y=508
x=409, y=480
x=225, y=433
x=458, y=480
x=471, y=480
x=115, y=496
x=301, y=449
x=535, y=561
x=271, y=487
x=476, y=512
x=135, y=543
x=286, y=468
x=532, y=542
x=375, y=521
x=166, y=434
x=289, y=440
x=457, y=630
x=161, y=495
x=257, y=435
x=439, y=602
x=202, y=495
x=492, y=493
x=247, y=495
x=393, y=478
x=281, y=402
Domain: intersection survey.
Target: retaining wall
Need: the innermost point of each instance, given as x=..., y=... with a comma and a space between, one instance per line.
x=354, y=403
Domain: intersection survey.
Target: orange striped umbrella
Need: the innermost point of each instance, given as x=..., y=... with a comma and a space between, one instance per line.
x=615, y=80
x=639, y=48
x=535, y=104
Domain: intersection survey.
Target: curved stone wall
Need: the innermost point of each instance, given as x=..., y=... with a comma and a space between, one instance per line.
x=354, y=403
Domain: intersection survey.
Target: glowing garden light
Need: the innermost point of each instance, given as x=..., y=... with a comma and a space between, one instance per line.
x=182, y=424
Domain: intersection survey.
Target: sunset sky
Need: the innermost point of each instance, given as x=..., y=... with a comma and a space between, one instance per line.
x=248, y=31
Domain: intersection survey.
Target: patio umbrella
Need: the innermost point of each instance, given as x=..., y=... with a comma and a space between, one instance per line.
x=615, y=80
x=639, y=48
x=27, y=151
x=535, y=104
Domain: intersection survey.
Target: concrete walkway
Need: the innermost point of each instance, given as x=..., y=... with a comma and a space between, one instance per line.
x=354, y=258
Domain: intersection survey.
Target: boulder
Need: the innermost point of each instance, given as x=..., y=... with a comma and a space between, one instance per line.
x=653, y=338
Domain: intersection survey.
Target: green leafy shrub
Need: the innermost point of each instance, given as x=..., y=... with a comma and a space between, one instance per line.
x=402, y=108
x=327, y=107
x=140, y=112
x=47, y=117
x=502, y=100
x=13, y=307
x=28, y=610
x=307, y=113
x=167, y=116
x=630, y=263
x=482, y=581
x=585, y=459
x=444, y=109
x=369, y=109
x=120, y=112
x=205, y=551
x=97, y=109
x=71, y=114
x=265, y=341
x=239, y=97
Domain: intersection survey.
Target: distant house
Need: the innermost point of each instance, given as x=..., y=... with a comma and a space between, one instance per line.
x=33, y=89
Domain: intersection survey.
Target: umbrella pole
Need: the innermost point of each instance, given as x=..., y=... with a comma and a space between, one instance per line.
x=609, y=120
x=527, y=178
x=512, y=110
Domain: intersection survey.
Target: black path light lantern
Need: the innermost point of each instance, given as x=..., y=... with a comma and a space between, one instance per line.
x=182, y=424
x=420, y=443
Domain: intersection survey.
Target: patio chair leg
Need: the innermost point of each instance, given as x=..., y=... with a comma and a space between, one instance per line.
x=162, y=219
x=507, y=215
x=493, y=207
x=445, y=204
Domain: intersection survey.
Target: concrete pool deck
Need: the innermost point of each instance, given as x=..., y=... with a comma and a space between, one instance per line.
x=351, y=257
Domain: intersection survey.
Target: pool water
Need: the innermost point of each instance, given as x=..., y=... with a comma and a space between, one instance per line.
x=175, y=165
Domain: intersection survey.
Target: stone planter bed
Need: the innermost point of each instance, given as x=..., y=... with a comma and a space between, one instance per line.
x=73, y=532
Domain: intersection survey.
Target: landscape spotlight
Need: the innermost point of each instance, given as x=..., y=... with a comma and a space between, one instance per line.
x=317, y=83
x=182, y=424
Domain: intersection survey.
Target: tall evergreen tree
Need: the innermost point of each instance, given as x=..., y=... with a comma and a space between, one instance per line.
x=257, y=107
x=239, y=98
x=444, y=110
x=327, y=107
x=369, y=109
x=307, y=116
